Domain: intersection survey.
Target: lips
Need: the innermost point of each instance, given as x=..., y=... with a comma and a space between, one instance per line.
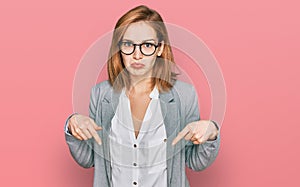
x=137, y=65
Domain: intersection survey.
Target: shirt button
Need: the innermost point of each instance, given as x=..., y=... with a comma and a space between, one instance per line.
x=134, y=183
x=165, y=140
x=134, y=164
x=134, y=145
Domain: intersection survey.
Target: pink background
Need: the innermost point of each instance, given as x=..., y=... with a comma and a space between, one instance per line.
x=255, y=42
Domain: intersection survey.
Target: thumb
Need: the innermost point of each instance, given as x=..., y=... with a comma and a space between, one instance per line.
x=203, y=139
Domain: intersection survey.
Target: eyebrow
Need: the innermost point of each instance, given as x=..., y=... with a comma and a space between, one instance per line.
x=142, y=41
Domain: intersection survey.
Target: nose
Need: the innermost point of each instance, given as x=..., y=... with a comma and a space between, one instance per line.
x=137, y=52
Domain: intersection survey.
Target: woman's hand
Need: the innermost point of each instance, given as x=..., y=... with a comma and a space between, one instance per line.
x=198, y=132
x=83, y=128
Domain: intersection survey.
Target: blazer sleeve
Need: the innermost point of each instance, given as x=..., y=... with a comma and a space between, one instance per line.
x=198, y=157
x=82, y=150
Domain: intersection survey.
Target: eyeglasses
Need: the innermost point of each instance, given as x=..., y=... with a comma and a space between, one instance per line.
x=147, y=48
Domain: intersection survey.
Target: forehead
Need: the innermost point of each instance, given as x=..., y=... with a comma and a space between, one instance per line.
x=139, y=32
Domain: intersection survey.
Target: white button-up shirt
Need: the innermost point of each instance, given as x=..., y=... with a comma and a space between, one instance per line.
x=138, y=161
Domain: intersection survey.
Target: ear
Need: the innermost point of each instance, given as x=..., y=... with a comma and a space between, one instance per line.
x=161, y=48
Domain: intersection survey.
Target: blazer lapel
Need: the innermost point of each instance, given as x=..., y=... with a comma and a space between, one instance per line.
x=109, y=105
x=170, y=113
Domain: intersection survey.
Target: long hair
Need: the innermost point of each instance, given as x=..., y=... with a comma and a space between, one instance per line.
x=162, y=75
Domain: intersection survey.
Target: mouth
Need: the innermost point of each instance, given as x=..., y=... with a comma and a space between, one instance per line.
x=137, y=65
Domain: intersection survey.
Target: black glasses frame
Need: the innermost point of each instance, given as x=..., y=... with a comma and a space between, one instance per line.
x=134, y=46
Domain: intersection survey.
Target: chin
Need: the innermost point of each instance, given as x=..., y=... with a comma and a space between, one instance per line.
x=139, y=72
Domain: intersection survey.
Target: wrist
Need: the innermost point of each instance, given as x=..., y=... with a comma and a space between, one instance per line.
x=212, y=138
x=215, y=133
x=215, y=124
x=68, y=123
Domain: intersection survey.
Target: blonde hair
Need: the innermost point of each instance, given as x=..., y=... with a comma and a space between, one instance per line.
x=163, y=76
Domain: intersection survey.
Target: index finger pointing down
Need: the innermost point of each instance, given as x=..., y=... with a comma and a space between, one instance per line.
x=95, y=135
x=180, y=135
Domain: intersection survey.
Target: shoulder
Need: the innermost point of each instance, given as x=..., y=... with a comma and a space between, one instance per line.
x=180, y=85
x=101, y=89
x=183, y=89
x=103, y=85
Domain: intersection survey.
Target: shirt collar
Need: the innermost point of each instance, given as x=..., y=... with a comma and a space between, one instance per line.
x=154, y=94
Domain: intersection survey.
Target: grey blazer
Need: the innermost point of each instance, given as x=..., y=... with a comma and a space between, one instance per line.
x=179, y=107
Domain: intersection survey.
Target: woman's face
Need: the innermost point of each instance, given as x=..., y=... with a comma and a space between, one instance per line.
x=138, y=64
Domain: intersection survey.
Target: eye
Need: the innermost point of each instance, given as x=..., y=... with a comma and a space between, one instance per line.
x=127, y=44
x=148, y=45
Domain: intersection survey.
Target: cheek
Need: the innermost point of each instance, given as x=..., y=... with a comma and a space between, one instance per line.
x=151, y=61
x=126, y=60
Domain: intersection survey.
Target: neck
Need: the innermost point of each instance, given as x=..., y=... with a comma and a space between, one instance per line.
x=140, y=85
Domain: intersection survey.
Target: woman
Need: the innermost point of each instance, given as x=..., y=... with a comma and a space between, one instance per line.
x=139, y=117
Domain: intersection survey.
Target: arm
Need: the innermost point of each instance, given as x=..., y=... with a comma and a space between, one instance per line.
x=82, y=150
x=198, y=157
